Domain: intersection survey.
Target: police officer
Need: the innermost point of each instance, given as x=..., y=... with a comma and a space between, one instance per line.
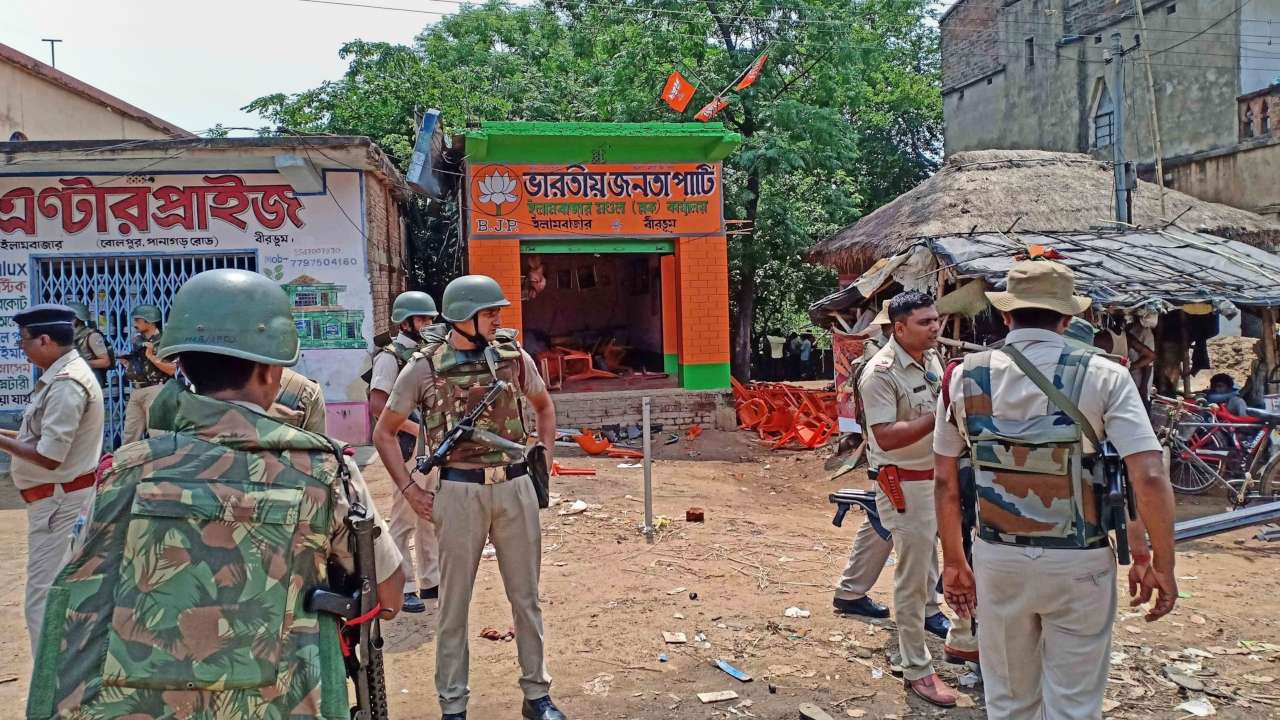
x=145, y=371
x=898, y=390
x=300, y=402
x=479, y=494
x=1043, y=576
x=91, y=344
x=56, y=448
x=411, y=312
x=188, y=591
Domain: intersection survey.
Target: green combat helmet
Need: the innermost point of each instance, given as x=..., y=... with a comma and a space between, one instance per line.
x=232, y=312
x=150, y=313
x=81, y=310
x=410, y=304
x=467, y=295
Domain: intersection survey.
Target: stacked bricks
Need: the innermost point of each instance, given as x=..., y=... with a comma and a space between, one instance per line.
x=673, y=409
x=500, y=260
x=702, y=269
x=384, y=248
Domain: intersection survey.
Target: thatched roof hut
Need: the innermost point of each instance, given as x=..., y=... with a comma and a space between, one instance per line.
x=1032, y=190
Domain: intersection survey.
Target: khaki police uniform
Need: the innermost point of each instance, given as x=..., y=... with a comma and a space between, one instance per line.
x=503, y=511
x=421, y=560
x=300, y=403
x=140, y=399
x=1045, y=615
x=64, y=419
x=893, y=388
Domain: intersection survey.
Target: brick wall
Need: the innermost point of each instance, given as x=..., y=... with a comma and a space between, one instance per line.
x=500, y=260
x=385, y=248
x=1260, y=114
x=970, y=42
x=673, y=409
x=702, y=268
x=670, y=305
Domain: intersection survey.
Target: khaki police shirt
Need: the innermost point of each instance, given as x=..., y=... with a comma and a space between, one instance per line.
x=893, y=388
x=385, y=367
x=386, y=557
x=97, y=345
x=310, y=413
x=1109, y=400
x=64, y=418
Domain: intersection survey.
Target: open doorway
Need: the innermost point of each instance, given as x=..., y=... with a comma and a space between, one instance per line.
x=594, y=322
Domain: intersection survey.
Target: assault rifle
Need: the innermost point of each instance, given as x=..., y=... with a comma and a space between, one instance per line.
x=1115, y=498
x=844, y=501
x=354, y=601
x=466, y=430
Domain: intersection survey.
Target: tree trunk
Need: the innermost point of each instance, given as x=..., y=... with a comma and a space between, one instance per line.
x=745, y=298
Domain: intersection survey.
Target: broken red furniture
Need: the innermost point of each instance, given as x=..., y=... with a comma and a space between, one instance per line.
x=784, y=415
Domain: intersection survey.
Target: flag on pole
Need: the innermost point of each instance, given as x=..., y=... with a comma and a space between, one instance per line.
x=711, y=109
x=752, y=73
x=678, y=91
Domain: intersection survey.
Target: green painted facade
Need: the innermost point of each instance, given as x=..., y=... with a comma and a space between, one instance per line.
x=671, y=364
x=603, y=246
x=569, y=143
x=709, y=376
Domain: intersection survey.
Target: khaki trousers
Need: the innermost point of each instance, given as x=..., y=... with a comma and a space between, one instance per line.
x=506, y=514
x=136, y=411
x=1044, y=622
x=406, y=524
x=49, y=526
x=866, y=561
x=915, y=536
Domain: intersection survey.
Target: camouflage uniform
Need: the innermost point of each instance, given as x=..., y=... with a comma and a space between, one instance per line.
x=421, y=562
x=186, y=598
x=1045, y=607
x=92, y=345
x=444, y=382
x=145, y=379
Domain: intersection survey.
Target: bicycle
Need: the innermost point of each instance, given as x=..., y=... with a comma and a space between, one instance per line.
x=1209, y=447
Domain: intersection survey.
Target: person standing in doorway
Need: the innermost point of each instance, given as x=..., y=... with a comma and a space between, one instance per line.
x=412, y=312
x=899, y=392
x=481, y=494
x=145, y=370
x=55, y=450
x=92, y=344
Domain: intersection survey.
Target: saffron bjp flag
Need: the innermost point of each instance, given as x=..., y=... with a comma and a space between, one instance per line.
x=678, y=91
x=711, y=109
x=752, y=73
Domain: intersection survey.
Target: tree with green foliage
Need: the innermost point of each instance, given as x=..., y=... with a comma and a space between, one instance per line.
x=846, y=115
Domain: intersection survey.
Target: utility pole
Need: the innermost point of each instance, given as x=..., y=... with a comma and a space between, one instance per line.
x=1122, y=202
x=53, y=57
x=1155, y=111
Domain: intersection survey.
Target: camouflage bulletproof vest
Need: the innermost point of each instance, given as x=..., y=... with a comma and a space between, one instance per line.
x=186, y=598
x=140, y=369
x=1030, y=476
x=462, y=378
x=83, y=333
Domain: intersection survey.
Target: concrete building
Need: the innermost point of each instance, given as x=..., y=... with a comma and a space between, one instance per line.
x=1032, y=74
x=114, y=227
x=40, y=102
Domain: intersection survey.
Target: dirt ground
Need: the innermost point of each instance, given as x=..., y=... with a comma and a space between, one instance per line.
x=767, y=544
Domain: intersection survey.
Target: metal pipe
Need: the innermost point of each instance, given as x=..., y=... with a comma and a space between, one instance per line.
x=648, y=473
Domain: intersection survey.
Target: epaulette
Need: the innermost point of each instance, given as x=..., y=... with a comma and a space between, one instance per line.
x=881, y=364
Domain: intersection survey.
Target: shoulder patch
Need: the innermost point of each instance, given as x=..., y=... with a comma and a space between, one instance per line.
x=881, y=364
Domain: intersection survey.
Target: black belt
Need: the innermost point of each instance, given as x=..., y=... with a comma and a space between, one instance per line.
x=139, y=385
x=476, y=475
x=1049, y=543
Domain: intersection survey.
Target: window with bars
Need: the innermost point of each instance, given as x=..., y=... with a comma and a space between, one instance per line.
x=1102, y=121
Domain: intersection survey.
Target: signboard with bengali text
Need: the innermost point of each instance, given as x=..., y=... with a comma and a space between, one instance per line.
x=576, y=201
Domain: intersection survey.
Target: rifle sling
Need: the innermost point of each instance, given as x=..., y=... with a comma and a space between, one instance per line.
x=1056, y=396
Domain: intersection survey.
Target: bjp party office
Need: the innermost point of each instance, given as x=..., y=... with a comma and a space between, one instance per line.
x=609, y=239
x=114, y=225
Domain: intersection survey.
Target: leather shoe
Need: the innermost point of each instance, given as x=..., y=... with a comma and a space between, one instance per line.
x=863, y=606
x=431, y=593
x=932, y=690
x=454, y=716
x=956, y=656
x=413, y=604
x=938, y=624
x=541, y=709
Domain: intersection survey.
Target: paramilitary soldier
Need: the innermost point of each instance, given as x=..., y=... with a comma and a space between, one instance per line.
x=92, y=344
x=898, y=390
x=145, y=371
x=411, y=312
x=1032, y=416
x=55, y=450
x=479, y=495
x=186, y=598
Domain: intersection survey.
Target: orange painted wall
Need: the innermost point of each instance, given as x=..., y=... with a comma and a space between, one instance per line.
x=500, y=260
x=703, y=273
x=670, y=306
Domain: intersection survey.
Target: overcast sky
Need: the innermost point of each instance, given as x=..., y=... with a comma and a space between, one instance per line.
x=196, y=64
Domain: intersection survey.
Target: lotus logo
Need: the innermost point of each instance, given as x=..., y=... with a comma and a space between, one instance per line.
x=497, y=187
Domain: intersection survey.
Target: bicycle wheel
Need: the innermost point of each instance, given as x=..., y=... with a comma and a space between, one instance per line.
x=1189, y=473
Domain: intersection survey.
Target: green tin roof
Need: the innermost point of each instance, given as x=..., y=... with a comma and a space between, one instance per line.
x=569, y=143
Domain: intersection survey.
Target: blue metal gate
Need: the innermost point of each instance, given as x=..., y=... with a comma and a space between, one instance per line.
x=112, y=285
